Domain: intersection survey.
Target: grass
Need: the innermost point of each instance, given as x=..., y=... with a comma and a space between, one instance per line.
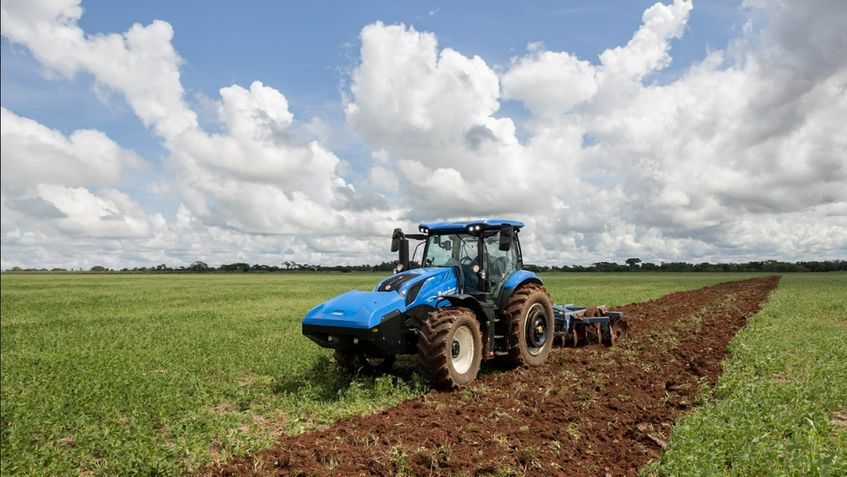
x=162, y=374
x=780, y=408
x=159, y=374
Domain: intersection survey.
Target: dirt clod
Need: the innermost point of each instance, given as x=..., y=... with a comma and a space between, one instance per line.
x=608, y=415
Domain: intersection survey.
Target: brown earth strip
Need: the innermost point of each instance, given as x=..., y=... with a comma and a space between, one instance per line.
x=587, y=411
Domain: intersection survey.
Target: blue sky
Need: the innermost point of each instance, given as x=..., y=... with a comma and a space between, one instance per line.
x=581, y=122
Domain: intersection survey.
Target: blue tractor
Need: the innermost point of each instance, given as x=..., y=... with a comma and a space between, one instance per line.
x=468, y=299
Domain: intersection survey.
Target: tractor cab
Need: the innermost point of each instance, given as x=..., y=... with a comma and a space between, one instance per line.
x=483, y=253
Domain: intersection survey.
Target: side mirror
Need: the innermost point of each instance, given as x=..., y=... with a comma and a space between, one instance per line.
x=395, y=240
x=399, y=243
x=507, y=232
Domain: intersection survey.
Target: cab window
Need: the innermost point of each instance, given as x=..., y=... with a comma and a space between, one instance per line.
x=501, y=263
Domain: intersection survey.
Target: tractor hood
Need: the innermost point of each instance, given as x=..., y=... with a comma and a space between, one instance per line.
x=406, y=279
x=393, y=295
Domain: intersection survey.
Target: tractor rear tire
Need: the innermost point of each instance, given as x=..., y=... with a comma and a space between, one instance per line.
x=357, y=362
x=531, y=326
x=450, y=348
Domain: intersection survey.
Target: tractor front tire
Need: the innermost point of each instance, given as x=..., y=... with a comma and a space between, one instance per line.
x=450, y=348
x=531, y=326
x=358, y=362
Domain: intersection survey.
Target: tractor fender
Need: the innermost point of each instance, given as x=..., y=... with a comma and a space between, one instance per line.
x=470, y=302
x=517, y=279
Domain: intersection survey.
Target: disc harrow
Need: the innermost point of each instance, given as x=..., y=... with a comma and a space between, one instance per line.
x=582, y=325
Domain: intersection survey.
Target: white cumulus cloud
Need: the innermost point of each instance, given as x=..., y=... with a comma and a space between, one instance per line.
x=33, y=153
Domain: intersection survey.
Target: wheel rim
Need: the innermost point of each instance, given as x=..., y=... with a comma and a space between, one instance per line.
x=536, y=329
x=374, y=361
x=462, y=349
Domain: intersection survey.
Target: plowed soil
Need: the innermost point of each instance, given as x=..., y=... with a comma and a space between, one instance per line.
x=590, y=410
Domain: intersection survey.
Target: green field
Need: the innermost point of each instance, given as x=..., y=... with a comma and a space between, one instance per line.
x=144, y=374
x=780, y=408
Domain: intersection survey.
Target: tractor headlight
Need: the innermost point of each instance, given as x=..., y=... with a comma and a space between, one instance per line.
x=476, y=268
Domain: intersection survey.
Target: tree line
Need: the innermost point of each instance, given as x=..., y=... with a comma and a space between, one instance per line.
x=238, y=267
x=636, y=265
x=630, y=265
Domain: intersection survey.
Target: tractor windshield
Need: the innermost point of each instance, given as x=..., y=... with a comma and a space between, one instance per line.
x=451, y=250
x=454, y=250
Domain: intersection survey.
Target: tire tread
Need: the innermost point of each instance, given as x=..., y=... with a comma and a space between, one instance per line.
x=514, y=310
x=434, y=350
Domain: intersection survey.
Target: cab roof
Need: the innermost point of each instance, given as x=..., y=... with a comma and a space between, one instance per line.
x=463, y=225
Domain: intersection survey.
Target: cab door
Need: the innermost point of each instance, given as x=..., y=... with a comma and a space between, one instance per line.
x=500, y=263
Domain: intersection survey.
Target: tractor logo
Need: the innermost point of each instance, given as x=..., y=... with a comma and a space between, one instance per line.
x=442, y=294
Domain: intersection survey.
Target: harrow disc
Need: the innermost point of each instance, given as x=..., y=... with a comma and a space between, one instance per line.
x=618, y=330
